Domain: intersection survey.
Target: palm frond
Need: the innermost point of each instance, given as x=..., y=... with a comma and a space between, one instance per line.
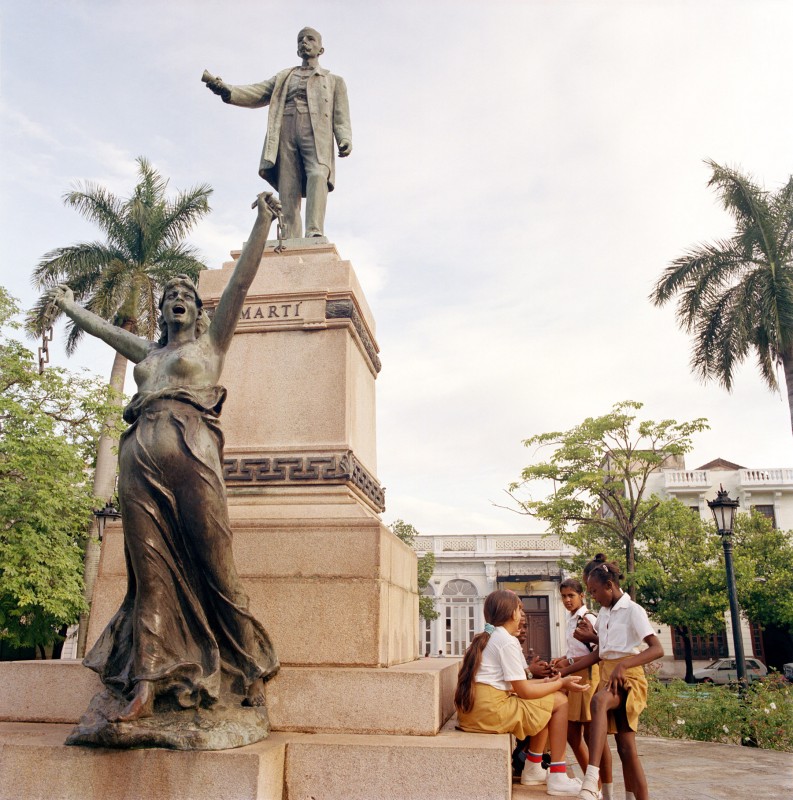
x=750, y=206
x=82, y=261
x=97, y=204
x=181, y=214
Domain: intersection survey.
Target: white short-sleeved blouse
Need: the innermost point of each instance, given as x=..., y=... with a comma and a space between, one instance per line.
x=502, y=661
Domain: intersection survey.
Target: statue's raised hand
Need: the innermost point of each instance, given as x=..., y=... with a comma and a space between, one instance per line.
x=267, y=203
x=60, y=294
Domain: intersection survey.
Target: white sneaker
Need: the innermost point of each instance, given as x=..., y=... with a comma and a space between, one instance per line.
x=559, y=785
x=532, y=774
x=587, y=793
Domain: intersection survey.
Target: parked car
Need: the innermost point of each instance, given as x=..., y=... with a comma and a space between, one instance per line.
x=724, y=670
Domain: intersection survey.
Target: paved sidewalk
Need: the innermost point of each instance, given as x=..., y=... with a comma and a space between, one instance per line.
x=684, y=770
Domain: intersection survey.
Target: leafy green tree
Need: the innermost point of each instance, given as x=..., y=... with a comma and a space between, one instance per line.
x=426, y=566
x=736, y=295
x=120, y=280
x=49, y=425
x=763, y=559
x=679, y=577
x=600, y=471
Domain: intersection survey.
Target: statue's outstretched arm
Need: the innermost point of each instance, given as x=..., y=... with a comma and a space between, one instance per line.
x=133, y=347
x=224, y=322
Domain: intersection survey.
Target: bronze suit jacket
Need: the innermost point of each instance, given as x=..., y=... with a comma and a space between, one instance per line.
x=328, y=108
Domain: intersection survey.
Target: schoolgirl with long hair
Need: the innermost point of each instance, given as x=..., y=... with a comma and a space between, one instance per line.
x=494, y=696
x=622, y=627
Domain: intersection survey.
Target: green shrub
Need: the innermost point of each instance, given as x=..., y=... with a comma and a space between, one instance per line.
x=763, y=715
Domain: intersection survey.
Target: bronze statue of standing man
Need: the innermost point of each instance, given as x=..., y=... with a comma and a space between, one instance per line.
x=308, y=110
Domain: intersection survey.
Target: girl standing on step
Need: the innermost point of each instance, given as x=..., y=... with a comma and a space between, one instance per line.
x=578, y=713
x=494, y=696
x=622, y=627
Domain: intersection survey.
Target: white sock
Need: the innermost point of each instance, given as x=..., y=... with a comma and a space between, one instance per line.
x=592, y=776
x=593, y=772
x=608, y=791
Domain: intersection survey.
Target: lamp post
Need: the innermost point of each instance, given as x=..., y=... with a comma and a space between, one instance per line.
x=723, y=509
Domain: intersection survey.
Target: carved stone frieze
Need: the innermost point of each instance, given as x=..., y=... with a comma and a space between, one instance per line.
x=304, y=469
x=345, y=309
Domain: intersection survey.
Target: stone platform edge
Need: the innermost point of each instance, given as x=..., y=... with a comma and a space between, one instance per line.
x=412, y=699
x=37, y=766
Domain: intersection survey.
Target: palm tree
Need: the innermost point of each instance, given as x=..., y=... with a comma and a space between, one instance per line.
x=736, y=295
x=120, y=280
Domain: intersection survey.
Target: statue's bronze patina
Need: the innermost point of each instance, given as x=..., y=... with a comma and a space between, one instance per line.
x=308, y=110
x=183, y=654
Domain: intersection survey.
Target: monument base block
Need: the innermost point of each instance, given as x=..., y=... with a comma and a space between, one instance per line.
x=414, y=699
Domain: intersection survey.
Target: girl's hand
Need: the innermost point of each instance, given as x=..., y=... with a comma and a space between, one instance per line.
x=558, y=663
x=584, y=632
x=616, y=679
x=540, y=669
x=573, y=684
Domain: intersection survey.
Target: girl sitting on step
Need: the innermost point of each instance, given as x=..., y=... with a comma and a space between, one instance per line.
x=494, y=696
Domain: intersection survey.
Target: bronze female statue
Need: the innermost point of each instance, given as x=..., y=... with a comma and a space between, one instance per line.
x=184, y=627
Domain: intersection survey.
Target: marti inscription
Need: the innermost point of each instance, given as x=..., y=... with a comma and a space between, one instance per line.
x=272, y=311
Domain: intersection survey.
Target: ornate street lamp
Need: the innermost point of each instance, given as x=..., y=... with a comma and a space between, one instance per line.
x=723, y=509
x=103, y=515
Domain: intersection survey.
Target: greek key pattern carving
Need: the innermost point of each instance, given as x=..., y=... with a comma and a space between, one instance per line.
x=303, y=469
x=345, y=309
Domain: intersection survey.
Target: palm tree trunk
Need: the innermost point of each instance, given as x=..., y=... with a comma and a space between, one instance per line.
x=104, y=488
x=787, y=364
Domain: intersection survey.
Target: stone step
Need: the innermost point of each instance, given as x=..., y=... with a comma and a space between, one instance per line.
x=414, y=698
x=35, y=765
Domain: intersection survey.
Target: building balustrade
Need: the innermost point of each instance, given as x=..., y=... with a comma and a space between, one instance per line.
x=765, y=477
x=686, y=478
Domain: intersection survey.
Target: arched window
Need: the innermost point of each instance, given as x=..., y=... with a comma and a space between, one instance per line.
x=459, y=596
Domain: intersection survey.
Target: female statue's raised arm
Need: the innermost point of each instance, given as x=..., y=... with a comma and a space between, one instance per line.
x=133, y=347
x=224, y=321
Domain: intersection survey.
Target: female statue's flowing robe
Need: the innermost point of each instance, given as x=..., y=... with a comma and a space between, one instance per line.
x=184, y=621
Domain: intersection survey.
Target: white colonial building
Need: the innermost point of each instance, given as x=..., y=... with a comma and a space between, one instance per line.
x=468, y=568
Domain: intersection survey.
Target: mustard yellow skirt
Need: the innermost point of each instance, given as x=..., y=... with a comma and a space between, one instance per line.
x=636, y=685
x=497, y=711
x=578, y=702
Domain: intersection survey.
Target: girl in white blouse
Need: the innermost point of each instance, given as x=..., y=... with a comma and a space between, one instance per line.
x=494, y=696
x=622, y=628
x=578, y=713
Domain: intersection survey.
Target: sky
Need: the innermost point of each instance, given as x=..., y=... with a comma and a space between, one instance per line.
x=522, y=173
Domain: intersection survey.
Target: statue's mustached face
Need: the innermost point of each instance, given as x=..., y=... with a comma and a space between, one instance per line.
x=309, y=43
